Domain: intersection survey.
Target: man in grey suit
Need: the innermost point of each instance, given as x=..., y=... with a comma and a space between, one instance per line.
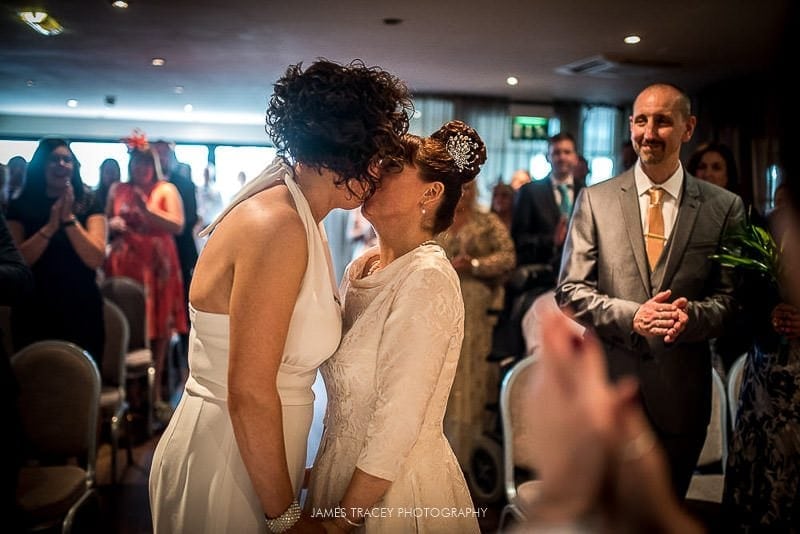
x=636, y=269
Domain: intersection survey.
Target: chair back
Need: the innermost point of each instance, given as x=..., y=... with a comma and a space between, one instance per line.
x=518, y=442
x=715, y=448
x=129, y=296
x=116, y=345
x=735, y=376
x=59, y=394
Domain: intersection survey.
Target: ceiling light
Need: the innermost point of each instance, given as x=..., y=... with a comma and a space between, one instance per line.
x=121, y=4
x=392, y=21
x=158, y=62
x=72, y=103
x=42, y=22
x=512, y=80
x=30, y=83
x=632, y=39
x=188, y=108
x=178, y=89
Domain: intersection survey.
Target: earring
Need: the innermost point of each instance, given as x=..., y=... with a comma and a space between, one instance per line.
x=424, y=211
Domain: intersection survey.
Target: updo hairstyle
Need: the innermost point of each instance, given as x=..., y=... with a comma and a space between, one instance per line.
x=348, y=119
x=452, y=155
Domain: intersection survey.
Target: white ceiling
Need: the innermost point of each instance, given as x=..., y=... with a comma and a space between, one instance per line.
x=226, y=54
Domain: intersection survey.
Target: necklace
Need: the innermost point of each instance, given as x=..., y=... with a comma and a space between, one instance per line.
x=378, y=264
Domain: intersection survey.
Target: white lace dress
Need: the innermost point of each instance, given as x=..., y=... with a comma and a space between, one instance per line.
x=198, y=481
x=388, y=385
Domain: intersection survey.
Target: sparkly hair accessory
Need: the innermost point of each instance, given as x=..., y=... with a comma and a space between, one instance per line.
x=136, y=141
x=463, y=150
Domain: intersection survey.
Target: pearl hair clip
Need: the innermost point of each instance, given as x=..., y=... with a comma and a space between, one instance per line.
x=463, y=150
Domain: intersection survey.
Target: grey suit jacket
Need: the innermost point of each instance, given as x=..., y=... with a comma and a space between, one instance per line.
x=605, y=277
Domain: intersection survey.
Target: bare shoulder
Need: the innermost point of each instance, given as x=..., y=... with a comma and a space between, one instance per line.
x=264, y=224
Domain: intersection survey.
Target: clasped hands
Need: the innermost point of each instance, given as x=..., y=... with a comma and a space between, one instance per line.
x=658, y=317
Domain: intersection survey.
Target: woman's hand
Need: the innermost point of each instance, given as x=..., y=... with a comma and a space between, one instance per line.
x=68, y=200
x=54, y=223
x=117, y=225
x=786, y=320
x=308, y=525
x=461, y=263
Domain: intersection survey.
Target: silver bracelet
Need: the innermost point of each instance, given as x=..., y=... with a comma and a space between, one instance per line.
x=286, y=520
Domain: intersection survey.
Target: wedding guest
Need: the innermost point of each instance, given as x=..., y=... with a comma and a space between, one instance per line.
x=389, y=380
x=482, y=253
x=109, y=175
x=503, y=203
x=17, y=170
x=265, y=310
x=60, y=231
x=145, y=214
x=636, y=268
x=762, y=478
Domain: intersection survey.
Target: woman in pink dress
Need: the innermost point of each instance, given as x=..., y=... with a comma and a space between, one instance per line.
x=145, y=213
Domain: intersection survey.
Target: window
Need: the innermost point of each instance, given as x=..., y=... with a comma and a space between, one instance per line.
x=235, y=161
x=599, y=141
x=91, y=155
x=196, y=156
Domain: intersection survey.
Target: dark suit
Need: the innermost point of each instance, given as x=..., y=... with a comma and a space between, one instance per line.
x=536, y=216
x=605, y=276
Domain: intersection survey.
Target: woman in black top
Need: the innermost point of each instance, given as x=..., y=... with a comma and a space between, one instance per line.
x=60, y=230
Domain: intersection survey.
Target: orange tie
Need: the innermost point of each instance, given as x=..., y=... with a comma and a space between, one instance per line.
x=654, y=238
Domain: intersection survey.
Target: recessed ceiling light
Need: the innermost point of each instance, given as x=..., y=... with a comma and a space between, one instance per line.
x=178, y=89
x=632, y=39
x=512, y=80
x=158, y=62
x=30, y=83
x=42, y=22
x=121, y=4
x=188, y=108
x=72, y=103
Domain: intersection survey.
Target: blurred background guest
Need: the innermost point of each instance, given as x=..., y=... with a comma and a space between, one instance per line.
x=481, y=251
x=503, y=203
x=17, y=168
x=762, y=479
x=145, y=214
x=60, y=230
x=180, y=175
x=110, y=174
x=714, y=163
x=3, y=191
x=16, y=281
x=520, y=178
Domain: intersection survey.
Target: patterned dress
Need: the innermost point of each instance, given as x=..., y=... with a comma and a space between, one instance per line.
x=486, y=238
x=762, y=480
x=148, y=255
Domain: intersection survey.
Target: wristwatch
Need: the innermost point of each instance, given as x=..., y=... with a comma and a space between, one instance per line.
x=71, y=222
x=476, y=263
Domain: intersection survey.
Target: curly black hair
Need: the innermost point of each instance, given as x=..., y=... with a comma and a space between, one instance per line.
x=451, y=155
x=348, y=119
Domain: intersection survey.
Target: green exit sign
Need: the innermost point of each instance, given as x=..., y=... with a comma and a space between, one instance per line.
x=523, y=127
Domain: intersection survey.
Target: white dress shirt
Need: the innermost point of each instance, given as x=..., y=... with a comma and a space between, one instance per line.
x=670, y=201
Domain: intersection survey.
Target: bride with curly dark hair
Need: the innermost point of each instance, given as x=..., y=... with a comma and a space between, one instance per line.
x=265, y=309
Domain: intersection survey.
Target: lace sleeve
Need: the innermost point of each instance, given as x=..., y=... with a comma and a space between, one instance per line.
x=424, y=326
